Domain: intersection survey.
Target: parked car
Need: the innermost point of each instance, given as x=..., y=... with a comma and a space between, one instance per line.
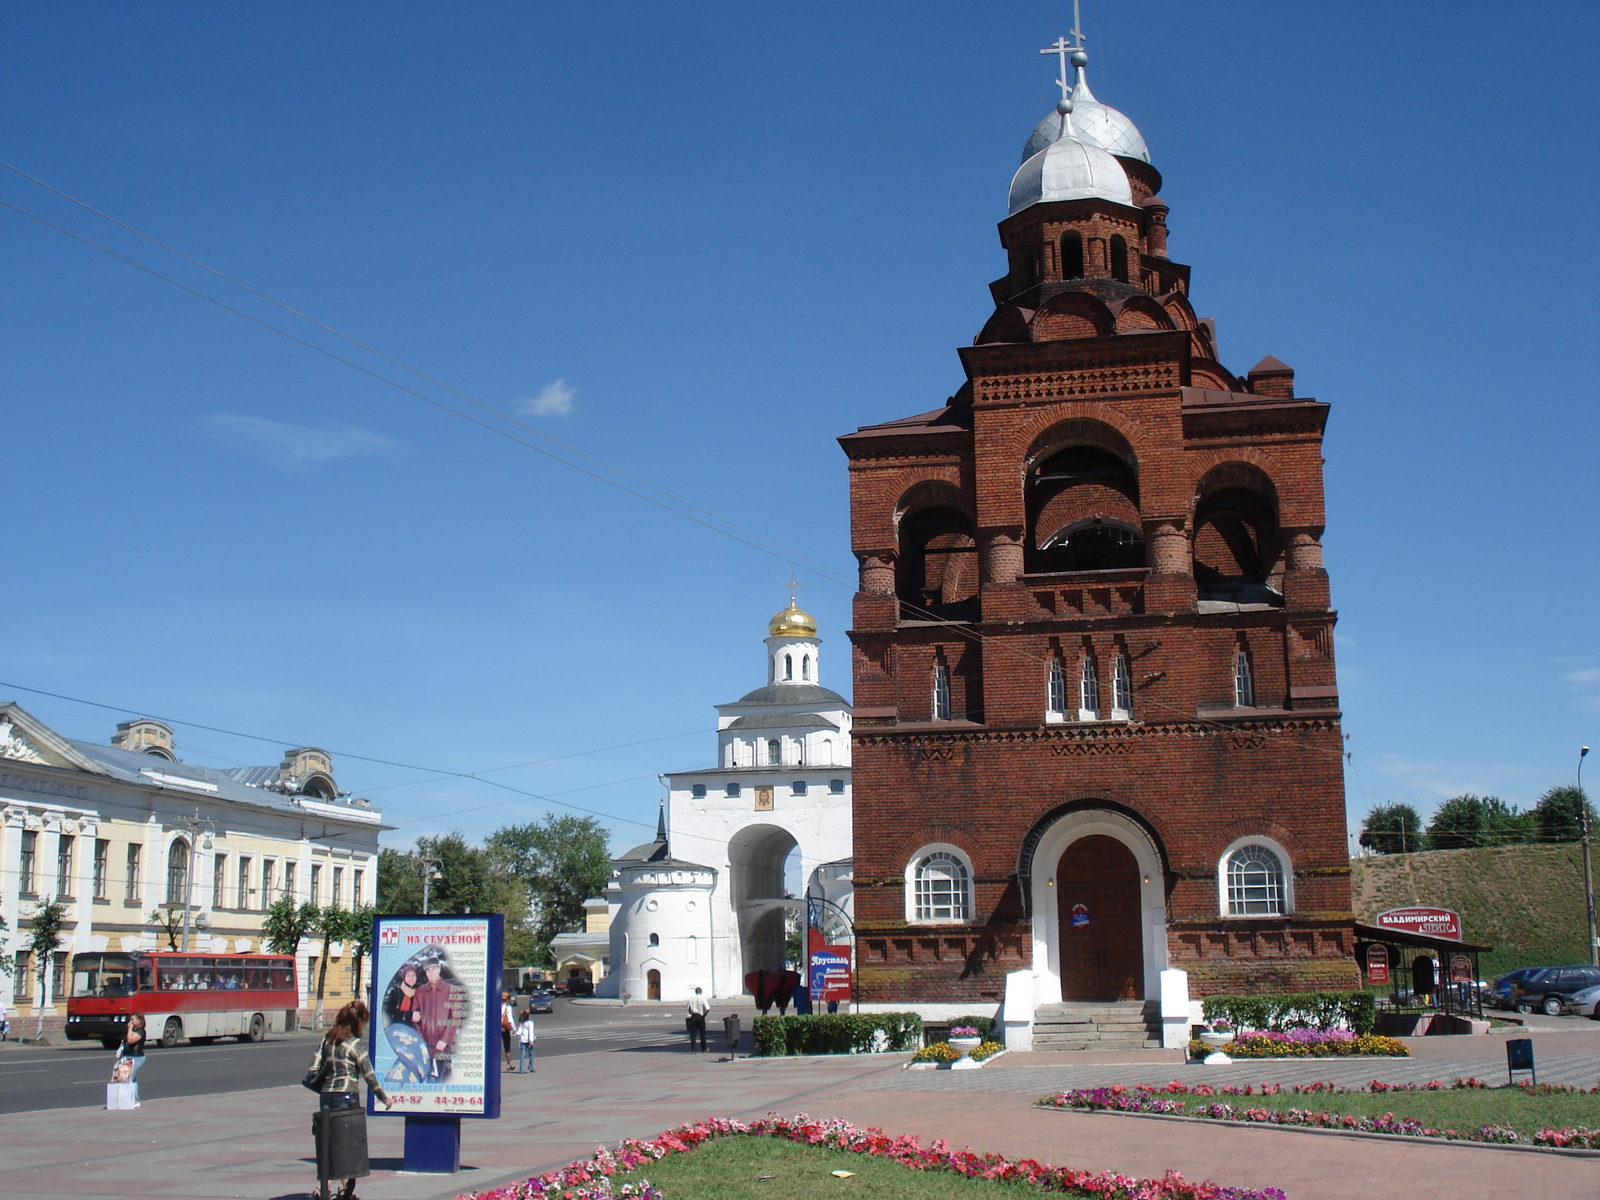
x=1501, y=993
x=542, y=1001
x=1583, y=1003
x=1550, y=989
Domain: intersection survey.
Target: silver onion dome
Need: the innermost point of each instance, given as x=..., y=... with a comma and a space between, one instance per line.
x=1095, y=124
x=1069, y=169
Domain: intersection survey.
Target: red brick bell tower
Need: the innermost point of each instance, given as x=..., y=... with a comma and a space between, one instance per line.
x=1096, y=724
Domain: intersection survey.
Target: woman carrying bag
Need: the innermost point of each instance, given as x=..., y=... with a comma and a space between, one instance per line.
x=132, y=1052
x=341, y=1063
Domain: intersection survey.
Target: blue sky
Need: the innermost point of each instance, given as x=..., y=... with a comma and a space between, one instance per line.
x=700, y=241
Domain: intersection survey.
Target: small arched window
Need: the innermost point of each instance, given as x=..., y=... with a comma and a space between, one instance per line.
x=699, y=791
x=805, y=666
x=941, y=693
x=1056, y=692
x=1088, y=690
x=732, y=791
x=836, y=787
x=1244, y=686
x=798, y=787
x=788, y=666
x=178, y=873
x=1121, y=690
x=1119, y=258
x=774, y=753
x=655, y=939
x=942, y=888
x=1072, y=255
x=1255, y=882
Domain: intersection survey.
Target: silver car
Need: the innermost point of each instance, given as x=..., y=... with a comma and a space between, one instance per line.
x=1584, y=1003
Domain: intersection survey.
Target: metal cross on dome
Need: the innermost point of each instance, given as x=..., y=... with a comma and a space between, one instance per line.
x=794, y=586
x=1060, y=48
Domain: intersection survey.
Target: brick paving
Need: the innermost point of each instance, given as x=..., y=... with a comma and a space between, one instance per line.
x=257, y=1144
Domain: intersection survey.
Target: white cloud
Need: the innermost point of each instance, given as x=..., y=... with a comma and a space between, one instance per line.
x=1592, y=675
x=297, y=446
x=553, y=400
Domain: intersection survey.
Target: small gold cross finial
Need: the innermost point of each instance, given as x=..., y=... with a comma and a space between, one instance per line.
x=794, y=586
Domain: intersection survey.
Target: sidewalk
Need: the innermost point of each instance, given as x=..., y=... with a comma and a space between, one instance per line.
x=257, y=1144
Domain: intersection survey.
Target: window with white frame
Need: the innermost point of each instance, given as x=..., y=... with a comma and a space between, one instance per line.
x=1121, y=690
x=1244, y=687
x=269, y=881
x=941, y=693
x=102, y=857
x=135, y=863
x=774, y=752
x=30, y=853
x=1088, y=690
x=358, y=892
x=290, y=869
x=1255, y=881
x=941, y=886
x=244, y=883
x=178, y=873
x=219, y=880
x=1056, y=692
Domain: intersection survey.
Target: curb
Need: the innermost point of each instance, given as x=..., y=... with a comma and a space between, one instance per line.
x=1400, y=1138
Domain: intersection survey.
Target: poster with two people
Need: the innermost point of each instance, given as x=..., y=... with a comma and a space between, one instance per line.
x=435, y=1029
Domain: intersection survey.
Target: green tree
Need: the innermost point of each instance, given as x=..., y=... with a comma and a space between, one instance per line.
x=170, y=921
x=285, y=924
x=329, y=925
x=468, y=879
x=358, y=937
x=48, y=922
x=1559, y=815
x=560, y=862
x=1467, y=821
x=1392, y=829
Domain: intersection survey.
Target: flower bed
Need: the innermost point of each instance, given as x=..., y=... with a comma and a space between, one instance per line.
x=1305, y=1043
x=943, y=1052
x=1165, y=1101
x=591, y=1179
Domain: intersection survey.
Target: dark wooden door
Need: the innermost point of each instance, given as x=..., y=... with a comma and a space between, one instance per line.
x=1097, y=893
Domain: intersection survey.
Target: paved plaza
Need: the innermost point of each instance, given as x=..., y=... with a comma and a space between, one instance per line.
x=257, y=1143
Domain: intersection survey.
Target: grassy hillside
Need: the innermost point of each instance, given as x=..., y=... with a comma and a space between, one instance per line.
x=1525, y=901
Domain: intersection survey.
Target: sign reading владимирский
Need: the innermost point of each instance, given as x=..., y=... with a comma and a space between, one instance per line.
x=435, y=1036
x=1434, y=922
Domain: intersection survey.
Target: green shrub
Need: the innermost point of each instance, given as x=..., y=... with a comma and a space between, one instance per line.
x=1295, y=1010
x=837, y=1033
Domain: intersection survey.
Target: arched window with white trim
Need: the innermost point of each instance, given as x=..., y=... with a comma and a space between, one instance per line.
x=939, y=886
x=941, y=692
x=788, y=666
x=1255, y=880
x=1056, y=693
x=1088, y=690
x=178, y=872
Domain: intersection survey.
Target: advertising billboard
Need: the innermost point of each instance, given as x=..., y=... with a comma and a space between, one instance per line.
x=1434, y=922
x=1377, y=964
x=829, y=970
x=435, y=1036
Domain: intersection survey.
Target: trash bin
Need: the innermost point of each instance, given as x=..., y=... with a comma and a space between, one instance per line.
x=341, y=1143
x=730, y=1030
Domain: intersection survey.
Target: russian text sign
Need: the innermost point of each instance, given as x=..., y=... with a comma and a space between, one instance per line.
x=435, y=1036
x=1377, y=964
x=1433, y=922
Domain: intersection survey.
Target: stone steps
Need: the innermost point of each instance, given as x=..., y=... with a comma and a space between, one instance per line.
x=1098, y=1025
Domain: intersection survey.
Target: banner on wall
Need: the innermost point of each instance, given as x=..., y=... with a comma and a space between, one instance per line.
x=1377, y=964
x=435, y=1033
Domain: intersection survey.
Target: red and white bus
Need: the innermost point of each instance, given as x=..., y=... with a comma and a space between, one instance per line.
x=194, y=996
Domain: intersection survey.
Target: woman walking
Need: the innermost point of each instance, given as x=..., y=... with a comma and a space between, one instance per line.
x=132, y=1049
x=526, y=1037
x=342, y=1059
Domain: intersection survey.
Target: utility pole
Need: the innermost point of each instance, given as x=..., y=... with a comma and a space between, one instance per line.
x=430, y=872
x=193, y=826
x=1588, y=873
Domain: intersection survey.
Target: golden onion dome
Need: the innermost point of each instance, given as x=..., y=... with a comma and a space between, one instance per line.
x=792, y=622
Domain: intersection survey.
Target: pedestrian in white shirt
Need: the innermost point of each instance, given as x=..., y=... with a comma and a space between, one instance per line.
x=525, y=1036
x=699, y=1006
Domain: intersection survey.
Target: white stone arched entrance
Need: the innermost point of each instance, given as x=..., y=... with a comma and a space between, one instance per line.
x=1051, y=844
x=756, y=858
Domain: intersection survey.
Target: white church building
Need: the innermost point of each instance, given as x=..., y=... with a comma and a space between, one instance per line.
x=706, y=902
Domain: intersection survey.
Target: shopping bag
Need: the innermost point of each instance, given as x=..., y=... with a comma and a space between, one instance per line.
x=122, y=1071
x=121, y=1095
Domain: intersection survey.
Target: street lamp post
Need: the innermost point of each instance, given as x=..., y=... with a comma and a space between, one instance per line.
x=1588, y=873
x=430, y=872
x=193, y=827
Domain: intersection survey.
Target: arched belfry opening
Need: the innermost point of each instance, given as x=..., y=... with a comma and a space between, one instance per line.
x=1236, y=547
x=1083, y=513
x=937, y=567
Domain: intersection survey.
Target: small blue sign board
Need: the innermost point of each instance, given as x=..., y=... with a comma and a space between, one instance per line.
x=1080, y=916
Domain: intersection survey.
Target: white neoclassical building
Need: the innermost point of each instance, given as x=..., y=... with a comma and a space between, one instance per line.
x=706, y=902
